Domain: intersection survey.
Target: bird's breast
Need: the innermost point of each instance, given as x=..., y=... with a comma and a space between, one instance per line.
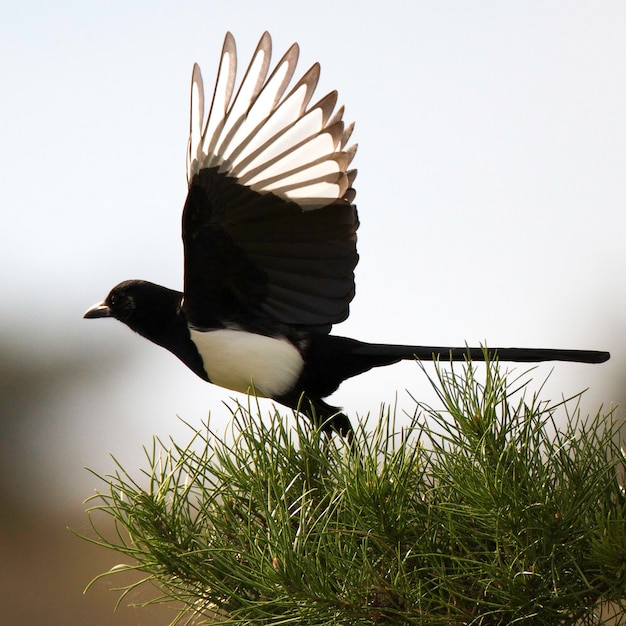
x=243, y=361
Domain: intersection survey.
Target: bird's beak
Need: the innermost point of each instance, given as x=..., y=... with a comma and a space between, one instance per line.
x=98, y=310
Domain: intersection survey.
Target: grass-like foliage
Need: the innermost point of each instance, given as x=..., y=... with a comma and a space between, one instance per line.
x=482, y=512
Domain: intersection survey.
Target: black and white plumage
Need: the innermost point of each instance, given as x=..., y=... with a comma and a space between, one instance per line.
x=269, y=233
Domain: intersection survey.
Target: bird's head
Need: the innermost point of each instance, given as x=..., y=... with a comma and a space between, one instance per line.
x=121, y=303
x=142, y=306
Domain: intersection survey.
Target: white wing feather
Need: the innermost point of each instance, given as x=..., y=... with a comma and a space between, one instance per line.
x=269, y=141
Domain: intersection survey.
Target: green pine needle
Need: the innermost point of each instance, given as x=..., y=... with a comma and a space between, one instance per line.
x=483, y=513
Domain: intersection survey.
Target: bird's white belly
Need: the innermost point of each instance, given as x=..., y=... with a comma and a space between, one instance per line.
x=244, y=361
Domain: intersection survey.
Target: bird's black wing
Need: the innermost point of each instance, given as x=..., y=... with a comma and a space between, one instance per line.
x=269, y=228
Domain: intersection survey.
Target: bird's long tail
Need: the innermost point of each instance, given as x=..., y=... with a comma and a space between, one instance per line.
x=523, y=355
x=332, y=359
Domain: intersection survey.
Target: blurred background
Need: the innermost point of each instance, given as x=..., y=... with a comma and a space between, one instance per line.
x=491, y=192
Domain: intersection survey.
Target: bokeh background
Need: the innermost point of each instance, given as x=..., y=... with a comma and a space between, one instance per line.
x=491, y=191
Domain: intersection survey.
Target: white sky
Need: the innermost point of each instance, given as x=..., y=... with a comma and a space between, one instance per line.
x=491, y=187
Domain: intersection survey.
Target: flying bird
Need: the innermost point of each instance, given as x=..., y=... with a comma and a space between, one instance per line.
x=269, y=234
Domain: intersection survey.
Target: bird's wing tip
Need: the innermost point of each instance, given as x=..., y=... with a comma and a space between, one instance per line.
x=265, y=129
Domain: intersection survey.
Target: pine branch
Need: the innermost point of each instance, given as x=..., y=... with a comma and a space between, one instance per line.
x=483, y=513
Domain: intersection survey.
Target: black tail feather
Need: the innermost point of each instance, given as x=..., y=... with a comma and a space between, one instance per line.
x=331, y=360
x=520, y=355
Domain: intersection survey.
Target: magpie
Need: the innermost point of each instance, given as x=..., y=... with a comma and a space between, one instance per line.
x=269, y=235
